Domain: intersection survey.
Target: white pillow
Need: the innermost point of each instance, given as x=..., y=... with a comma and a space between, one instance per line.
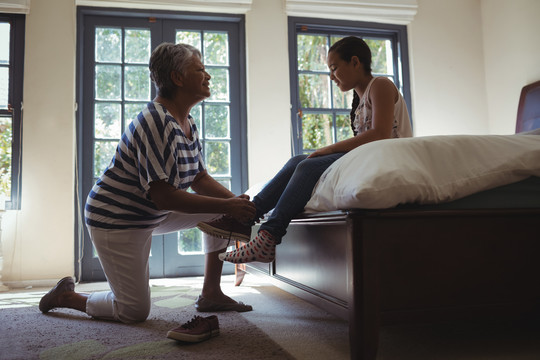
x=424, y=170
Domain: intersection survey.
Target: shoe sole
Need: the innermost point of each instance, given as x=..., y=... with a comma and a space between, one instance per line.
x=222, y=234
x=190, y=337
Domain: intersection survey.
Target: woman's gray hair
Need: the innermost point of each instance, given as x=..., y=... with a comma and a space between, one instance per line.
x=168, y=57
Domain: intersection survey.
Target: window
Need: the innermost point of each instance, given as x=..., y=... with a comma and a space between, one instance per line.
x=115, y=85
x=320, y=111
x=11, y=83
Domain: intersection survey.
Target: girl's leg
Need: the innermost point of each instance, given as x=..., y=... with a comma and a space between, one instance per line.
x=297, y=194
x=227, y=227
x=269, y=196
x=291, y=202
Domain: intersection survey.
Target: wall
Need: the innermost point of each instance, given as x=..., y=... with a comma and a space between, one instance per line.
x=268, y=95
x=449, y=41
x=512, y=56
x=38, y=240
x=447, y=68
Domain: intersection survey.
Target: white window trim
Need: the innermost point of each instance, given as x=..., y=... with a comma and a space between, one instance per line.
x=15, y=6
x=399, y=12
x=223, y=6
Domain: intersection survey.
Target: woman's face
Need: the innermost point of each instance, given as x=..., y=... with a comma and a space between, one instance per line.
x=342, y=72
x=196, y=80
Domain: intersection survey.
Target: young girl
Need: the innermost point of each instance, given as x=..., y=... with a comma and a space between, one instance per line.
x=378, y=112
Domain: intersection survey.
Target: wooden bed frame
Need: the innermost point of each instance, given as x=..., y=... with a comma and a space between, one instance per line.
x=375, y=267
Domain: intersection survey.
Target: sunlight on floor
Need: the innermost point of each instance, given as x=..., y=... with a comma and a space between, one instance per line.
x=11, y=300
x=19, y=298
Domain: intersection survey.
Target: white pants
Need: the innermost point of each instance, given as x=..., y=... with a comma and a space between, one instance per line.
x=124, y=257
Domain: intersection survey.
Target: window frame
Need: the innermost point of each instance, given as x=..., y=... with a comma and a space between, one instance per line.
x=302, y=25
x=15, y=100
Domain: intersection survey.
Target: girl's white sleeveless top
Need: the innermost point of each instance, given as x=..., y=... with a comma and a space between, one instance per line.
x=363, y=115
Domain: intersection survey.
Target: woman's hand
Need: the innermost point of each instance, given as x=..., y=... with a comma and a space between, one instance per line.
x=241, y=209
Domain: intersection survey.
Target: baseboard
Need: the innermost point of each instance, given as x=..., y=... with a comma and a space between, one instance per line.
x=30, y=284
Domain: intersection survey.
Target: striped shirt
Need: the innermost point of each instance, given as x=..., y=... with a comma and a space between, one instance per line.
x=153, y=148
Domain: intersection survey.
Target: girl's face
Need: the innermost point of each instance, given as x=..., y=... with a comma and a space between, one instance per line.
x=196, y=80
x=345, y=74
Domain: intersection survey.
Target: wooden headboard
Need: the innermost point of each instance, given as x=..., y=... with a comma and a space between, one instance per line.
x=528, y=116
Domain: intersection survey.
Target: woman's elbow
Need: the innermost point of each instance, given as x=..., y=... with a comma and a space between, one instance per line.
x=160, y=195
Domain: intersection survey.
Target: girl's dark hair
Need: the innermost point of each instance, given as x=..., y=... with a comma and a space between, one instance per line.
x=346, y=48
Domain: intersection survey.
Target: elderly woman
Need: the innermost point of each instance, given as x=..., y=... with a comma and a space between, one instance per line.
x=143, y=193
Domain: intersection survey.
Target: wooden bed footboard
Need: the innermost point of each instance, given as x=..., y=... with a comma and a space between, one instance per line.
x=389, y=266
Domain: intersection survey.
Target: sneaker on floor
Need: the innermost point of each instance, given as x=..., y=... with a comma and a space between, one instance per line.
x=226, y=227
x=196, y=330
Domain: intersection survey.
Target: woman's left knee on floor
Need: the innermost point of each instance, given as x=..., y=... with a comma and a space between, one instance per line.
x=133, y=314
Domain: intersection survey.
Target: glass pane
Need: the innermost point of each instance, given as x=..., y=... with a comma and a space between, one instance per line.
x=137, y=83
x=108, y=123
x=335, y=38
x=216, y=48
x=196, y=115
x=343, y=127
x=6, y=134
x=189, y=37
x=190, y=241
x=314, y=90
x=218, y=157
x=316, y=130
x=224, y=182
x=342, y=100
x=216, y=121
x=103, y=154
x=312, y=50
x=108, y=45
x=219, y=84
x=108, y=82
x=137, y=46
x=4, y=42
x=381, y=56
x=4, y=87
x=131, y=110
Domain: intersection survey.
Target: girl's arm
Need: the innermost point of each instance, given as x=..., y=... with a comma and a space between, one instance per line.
x=383, y=97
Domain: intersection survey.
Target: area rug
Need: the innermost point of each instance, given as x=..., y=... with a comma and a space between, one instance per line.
x=25, y=333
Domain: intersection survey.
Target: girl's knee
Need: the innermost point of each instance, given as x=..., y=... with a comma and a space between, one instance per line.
x=295, y=160
x=307, y=165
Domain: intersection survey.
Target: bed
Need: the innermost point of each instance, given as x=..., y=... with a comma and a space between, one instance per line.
x=427, y=241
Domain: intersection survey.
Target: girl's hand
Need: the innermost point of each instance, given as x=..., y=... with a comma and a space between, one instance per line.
x=320, y=152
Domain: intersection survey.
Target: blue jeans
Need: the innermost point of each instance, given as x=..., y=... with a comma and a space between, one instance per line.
x=289, y=191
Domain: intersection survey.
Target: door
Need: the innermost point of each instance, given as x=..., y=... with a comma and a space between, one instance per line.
x=114, y=86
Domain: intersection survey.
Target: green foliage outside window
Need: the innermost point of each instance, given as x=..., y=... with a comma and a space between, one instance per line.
x=6, y=134
x=331, y=121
